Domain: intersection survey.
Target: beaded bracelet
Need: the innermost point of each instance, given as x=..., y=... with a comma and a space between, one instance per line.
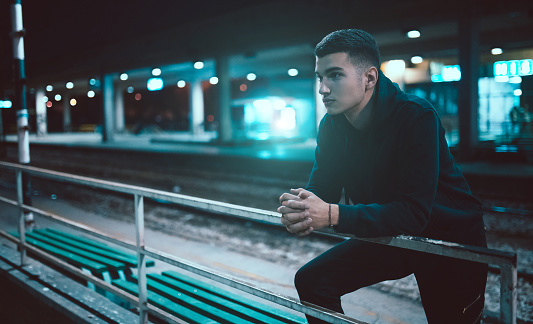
x=329, y=215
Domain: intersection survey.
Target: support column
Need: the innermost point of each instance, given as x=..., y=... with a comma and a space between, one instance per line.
x=108, y=103
x=40, y=111
x=67, y=119
x=119, y=111
x=468, y=95
x=225, y=129
x=196, y=104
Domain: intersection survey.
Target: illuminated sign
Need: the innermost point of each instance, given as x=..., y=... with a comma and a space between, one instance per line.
x=6, y=104
x=448, y=73
x=513, y=68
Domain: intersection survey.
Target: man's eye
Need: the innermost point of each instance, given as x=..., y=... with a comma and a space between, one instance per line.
x=335, y=75
x=319, y=78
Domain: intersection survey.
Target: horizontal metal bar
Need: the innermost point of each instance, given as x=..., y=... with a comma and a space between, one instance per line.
x=72, y=224
x=408, y=242
x=443, y=248
x=96, y=281
x=455, y=250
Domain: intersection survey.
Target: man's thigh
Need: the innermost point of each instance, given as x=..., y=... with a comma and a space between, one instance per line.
x=353, y=264
x=452, y=291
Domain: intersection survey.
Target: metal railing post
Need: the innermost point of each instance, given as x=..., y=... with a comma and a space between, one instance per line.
x=141, y=264
x=508, y=298
x=22, y=221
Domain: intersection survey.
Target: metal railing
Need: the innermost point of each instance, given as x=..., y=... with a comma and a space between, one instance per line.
x=505, y=260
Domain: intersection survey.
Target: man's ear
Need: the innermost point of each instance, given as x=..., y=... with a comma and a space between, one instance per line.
x=372, y=76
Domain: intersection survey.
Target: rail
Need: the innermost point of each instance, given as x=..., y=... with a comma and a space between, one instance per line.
x=505, y=260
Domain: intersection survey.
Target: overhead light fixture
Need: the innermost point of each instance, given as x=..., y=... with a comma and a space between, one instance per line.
x=496, y=51
x=293, y=72
x=70, y=85
x=198, y=65
x=413, y=33
x=416, y=59
x=156, y=72
x=124, y=76
x=251, y=76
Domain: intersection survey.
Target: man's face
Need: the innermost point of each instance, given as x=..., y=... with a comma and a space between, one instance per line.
x=341, y=84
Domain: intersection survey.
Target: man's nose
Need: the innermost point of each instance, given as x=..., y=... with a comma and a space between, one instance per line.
x=323, y=88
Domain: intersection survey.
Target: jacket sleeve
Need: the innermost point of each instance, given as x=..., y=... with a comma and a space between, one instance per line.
x=417, y=177
x=324, y=180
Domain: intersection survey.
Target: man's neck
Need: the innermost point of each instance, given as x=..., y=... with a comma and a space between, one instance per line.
x=363, y=117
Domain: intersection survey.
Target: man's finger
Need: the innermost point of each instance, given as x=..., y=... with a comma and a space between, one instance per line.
x=288, y=210
x=293, y=215
x=304, y=194
x=287, y=196
x=306, y=232
x=296, y=191
x=292, y=218
x=299, y=227
x=295, y=204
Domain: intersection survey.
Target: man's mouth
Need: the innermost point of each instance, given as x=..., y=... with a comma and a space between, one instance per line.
x=327, y=101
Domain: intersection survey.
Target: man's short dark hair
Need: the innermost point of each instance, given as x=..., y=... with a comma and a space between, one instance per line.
x=360, y=46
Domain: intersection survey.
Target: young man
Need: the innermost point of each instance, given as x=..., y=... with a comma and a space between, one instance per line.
x=388, y=152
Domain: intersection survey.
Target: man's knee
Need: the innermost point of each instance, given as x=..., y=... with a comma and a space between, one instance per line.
x=302, y=279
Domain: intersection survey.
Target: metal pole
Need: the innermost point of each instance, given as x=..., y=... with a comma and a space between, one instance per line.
x=20, y=100
x=141, y=265
x=3, y=149
x=508, y=298
x=22, y=227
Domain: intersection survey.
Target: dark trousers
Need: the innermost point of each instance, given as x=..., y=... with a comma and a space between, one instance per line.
x=452, y=290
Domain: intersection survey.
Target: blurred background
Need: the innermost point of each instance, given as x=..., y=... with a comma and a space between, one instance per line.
x=239, y=71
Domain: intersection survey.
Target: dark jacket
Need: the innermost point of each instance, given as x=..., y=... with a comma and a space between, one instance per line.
x=398, y=172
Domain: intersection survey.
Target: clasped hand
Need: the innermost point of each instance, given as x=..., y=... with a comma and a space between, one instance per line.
x=302, y=212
